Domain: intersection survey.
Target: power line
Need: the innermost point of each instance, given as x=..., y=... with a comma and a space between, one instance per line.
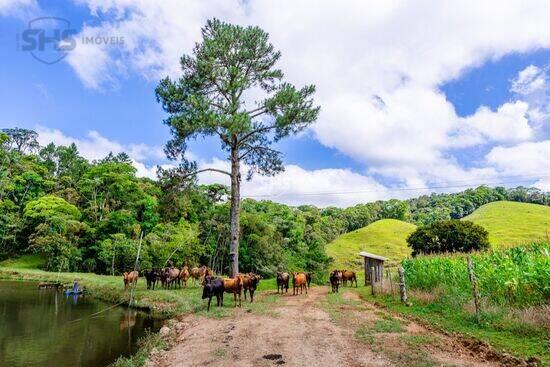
x=402, y=189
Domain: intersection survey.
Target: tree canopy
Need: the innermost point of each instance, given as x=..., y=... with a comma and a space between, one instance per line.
x=231, y=88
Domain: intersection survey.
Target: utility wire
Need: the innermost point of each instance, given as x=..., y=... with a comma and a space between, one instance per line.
x=465, y=184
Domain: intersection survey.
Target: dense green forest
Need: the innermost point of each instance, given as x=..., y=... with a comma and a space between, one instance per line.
x=90, y=216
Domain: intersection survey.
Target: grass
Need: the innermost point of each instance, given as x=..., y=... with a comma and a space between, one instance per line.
x=448, y=313
x=146, y=345
x=511, y=223
x=386, y=237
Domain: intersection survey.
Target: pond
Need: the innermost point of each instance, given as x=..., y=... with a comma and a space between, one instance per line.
x=46, y=328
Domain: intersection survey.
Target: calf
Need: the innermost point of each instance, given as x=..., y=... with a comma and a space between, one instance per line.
x=250, y=283
x=282, y=281
x=348, y=275
x=299, y=280
x=235, y=286
x=130, y=278
x=213, y=287
x=334, y=281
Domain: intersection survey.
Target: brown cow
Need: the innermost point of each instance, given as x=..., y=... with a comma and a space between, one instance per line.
x=130, y=278
x=184, y=275
x=348, y=275
x=195, y=274
x=299, y=280
x=172, y=277
x=282, y=281
x=250, y=283
x=200, y=273
x=235, y=286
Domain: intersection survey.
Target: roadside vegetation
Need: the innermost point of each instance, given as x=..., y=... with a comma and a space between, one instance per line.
x=514, y=289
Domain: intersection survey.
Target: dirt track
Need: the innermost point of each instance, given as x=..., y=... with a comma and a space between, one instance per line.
x=312, y=330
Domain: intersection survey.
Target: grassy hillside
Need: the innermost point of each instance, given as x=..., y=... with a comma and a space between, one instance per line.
x=386, y=237
x=510, y=223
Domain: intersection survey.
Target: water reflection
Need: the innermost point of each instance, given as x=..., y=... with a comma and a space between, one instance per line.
x=46, y=328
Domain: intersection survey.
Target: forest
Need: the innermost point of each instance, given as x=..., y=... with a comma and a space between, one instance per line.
x=91, y=216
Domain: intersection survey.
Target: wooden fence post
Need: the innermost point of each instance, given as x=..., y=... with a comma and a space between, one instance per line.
x=391, y=281
x=402, y=287
x=372, y=281
x=475, y=291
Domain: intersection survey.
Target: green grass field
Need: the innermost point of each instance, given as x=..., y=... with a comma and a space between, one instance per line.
x=162, y=302
x=510, y=223
x=386, y=237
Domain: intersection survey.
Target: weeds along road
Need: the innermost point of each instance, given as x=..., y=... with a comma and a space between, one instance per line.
x=320, y=329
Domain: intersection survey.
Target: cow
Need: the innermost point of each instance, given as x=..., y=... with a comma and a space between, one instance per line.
x=213, y=287
x=172, y=277
x=235, y=286
x=130, y=278
x=152, y=276
x=308, y=278
x=299, y=280
x=282, y=281
x=334, y=281
x=250, y=283
x=348, y=275
x=184, y=275
x=195, y=274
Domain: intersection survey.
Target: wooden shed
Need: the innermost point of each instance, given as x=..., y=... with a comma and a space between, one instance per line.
x=376, y=261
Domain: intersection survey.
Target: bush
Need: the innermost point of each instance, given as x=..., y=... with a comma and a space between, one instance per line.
x=448, y=236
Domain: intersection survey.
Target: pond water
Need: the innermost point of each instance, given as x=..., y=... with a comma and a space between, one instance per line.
x=46, y=328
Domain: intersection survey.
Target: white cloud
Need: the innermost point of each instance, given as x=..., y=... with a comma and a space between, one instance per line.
x=508, y=124
x=95, y=146
x=533, y=86
x=526, y=158
x=18, y=8
x=378, y=67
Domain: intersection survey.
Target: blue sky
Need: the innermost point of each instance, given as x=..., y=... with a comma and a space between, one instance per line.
x=401, y=107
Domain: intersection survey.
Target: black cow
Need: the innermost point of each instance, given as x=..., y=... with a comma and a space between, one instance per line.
x=334, y=281
x=308, y=278
x=282, y=281
x=213, y=287
x=152, y=276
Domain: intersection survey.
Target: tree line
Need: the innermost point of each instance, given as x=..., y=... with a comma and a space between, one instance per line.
x=89, y=216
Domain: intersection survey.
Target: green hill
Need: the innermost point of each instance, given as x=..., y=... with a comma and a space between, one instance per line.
x=386, y=237
x=511, y=223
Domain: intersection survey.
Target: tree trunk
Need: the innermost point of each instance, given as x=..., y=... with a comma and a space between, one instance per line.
x=235, y=212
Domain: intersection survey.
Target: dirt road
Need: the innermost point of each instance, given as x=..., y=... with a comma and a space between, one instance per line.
x=318, y=330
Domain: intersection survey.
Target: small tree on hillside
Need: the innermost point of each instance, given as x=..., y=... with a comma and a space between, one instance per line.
x=227, y=67
x=448, y=236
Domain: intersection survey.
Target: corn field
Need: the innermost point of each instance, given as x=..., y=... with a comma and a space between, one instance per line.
x=518, y=276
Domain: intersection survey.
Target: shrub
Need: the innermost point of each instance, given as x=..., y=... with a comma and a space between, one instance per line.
x=448, y=236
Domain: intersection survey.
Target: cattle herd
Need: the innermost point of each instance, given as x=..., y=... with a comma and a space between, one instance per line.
x=213, y=286
x=342, y=277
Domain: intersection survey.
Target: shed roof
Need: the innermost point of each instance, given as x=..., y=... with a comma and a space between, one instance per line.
x=372, y=256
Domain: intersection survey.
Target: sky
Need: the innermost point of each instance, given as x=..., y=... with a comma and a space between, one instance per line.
x=416, y=97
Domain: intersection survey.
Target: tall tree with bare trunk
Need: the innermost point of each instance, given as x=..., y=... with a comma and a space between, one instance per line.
x=231, y=88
